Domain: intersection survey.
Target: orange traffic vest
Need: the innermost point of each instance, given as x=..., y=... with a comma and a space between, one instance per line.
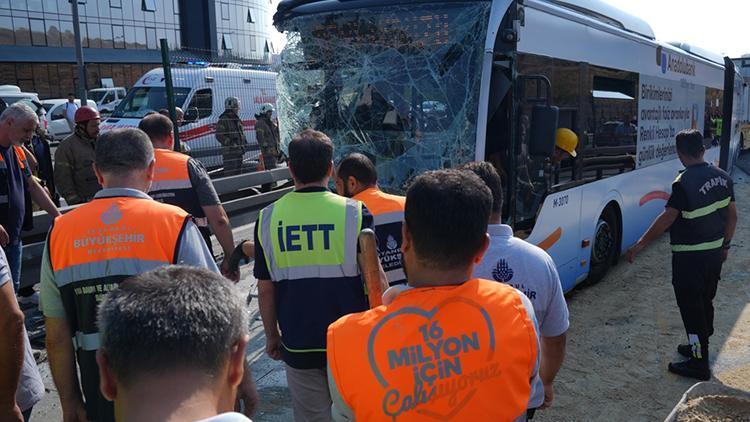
x=388, y=215
x=92, y=249
x=462, y=352
x=172, y=184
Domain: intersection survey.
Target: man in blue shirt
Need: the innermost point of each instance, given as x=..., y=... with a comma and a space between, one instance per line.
x=17, y=188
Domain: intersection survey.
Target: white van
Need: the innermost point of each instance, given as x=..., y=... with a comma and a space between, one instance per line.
x=107, y=98
x=11, y=94
x=58, y=126
x=200, y=91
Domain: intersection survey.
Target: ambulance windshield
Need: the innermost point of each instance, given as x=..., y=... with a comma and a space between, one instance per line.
x=141, y=100
x=398, y=83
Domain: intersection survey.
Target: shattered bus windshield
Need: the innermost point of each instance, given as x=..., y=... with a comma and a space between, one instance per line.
x=398, y=83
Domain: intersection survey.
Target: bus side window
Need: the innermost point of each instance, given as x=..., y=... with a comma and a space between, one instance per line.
x=712, y=117
x=609, y=141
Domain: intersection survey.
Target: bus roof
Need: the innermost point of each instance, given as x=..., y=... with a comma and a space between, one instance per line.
x=606, y=13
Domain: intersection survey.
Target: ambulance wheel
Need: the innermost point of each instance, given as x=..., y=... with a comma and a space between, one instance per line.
x=604, y=248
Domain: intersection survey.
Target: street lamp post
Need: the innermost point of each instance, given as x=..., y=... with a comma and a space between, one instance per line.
x=79, y=53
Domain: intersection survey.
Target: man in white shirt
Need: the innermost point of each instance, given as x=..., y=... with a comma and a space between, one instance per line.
x=173, y=344
x=70, y=111
x=531, y=270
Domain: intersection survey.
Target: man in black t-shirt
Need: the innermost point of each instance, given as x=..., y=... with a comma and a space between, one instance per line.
x=701, y=216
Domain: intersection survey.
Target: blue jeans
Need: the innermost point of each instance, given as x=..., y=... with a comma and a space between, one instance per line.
x=14, y=254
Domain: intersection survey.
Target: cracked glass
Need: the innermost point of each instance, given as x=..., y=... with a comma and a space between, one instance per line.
x=398, y=83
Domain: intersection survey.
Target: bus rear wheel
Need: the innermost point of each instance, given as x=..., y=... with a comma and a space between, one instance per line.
x=604, y=248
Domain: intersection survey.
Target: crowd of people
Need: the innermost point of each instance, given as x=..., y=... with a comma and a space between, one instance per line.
x=380, y=306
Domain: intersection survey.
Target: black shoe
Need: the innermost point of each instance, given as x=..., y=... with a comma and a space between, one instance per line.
x=693, y=368
x=685, y=350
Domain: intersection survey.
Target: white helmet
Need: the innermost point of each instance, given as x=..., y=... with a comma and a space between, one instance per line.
x=265, y=108
x=231, y=103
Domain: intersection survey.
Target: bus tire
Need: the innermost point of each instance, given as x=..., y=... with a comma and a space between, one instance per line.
x=605, y=246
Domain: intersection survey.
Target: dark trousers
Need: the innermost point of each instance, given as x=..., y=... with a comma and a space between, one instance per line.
x=232, y=157
x=695, y=277
x=269, y=162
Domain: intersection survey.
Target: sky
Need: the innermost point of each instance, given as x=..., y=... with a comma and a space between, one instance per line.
x=722, y=26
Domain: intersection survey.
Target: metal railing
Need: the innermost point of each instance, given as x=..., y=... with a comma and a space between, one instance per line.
x=239, y=194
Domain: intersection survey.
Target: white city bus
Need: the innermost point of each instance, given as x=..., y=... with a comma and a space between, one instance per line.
x=422, y=85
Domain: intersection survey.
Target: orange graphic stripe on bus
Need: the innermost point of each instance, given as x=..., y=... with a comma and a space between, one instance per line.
x=547, y=243
x=651, y=196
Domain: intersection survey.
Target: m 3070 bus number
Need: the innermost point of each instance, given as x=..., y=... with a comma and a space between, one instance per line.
x=560, y=201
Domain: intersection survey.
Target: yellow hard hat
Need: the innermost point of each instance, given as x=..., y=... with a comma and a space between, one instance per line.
x=566, y=140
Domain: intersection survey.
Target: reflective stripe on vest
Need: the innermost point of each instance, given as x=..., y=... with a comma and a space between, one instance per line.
x=311, y=235
x=706, y=246
x=704, y=211
x=87, y=342
x=172, y=184
x=447, y=353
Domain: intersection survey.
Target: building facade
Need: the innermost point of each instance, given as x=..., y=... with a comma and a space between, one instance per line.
x=743, y=63
x=121, y=38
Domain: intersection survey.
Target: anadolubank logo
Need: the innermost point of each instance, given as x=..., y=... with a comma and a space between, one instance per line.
x=661, y=59
x=674, y=63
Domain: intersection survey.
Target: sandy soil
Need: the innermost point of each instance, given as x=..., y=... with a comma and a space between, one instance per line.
x=624, y=331
x=714, y=408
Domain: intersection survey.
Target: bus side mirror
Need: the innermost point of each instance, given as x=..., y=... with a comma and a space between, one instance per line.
x=542, y=132
x=191, y=115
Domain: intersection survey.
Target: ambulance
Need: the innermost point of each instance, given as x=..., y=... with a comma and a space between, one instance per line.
x=200, y=90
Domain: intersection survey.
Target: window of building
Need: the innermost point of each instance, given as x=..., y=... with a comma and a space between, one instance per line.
x=203, y=101
x=50, y=6
x=130, y=38
x=116, y=3
x=148, y=5
x=151, y=42
x=84, y=36
x=267, y=48
x=250, y=17
x=34, y=5
x=53, y=32
x=226, y=42
x=21, y=28
x=140, y=37
x=66, y=34
x=38, y=33
x=95, y=39
x=118, y=34
x=6, y=30
x=107, y=36
x=225, y=11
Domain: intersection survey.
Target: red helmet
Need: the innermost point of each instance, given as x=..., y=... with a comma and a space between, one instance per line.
x=86, y=113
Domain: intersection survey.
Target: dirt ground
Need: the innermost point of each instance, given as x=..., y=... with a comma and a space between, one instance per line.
x=624, y=331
